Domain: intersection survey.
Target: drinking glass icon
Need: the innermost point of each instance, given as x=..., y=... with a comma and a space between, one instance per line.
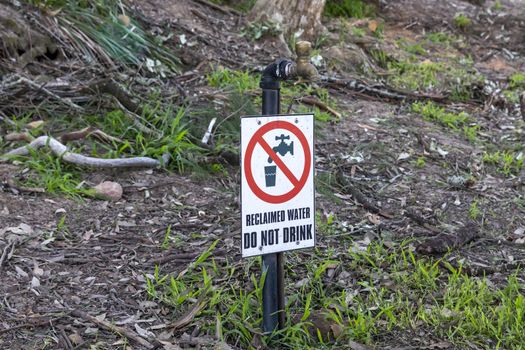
x=269, y=175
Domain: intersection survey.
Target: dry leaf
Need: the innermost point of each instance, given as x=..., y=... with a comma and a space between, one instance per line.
x=35, y=282
x=124, y=20
x=35, y=124
x=372, y=25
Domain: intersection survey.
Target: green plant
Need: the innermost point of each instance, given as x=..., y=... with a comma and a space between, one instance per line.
x=517, y=81
x=473, y=211
x=497, y=6
x=257, y=30
x=167, y=238
x=238, y=81
x=102, y=31
x=441, y=38
x=358, y=32
x=49, y=173
x=348, y=8
x=415, y=76
x=461, y=21
x=433, y=112
x=507, y=162
x=471, y=132
x=416, y=49
x=381, y=57
x=420, y=162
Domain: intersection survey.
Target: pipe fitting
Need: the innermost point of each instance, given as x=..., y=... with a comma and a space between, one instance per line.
x=283, y=69
x=304, y=68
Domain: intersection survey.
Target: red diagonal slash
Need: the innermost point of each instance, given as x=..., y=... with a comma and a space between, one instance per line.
x=278, y=161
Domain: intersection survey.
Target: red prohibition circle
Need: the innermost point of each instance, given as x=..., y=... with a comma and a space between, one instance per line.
x=257, y=138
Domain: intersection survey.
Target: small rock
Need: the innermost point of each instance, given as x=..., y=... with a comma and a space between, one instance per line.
x=108, y=190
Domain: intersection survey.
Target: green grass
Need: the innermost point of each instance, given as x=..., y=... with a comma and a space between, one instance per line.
x=395, y=292
x=232, y=80
x=415, y=76
x=103, y=31
x=170, y=135
x=441, y=38
x=461, y=21
x=517, y=81
x=50, y=173
x=432, y=112
x=474, y=211
x=348, y=8
x=258, y=30
x=506, y=162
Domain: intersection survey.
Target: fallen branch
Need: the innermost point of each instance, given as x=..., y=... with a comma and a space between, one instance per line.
x=4, y=253
x=111, y=327
x=312, y=101
x=360, y=197
x=11, y=183
x=190, y=315
x=65, y=101
x=380, y=91
x=60, y=150
x=19, y=136
x=86, y=132
x=522, y=105
x=444, y=242
x=39, y=323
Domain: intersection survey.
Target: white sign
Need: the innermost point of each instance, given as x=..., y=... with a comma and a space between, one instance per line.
x=277, y=183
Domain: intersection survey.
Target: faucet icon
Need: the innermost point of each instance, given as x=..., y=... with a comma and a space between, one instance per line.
x=282, y=148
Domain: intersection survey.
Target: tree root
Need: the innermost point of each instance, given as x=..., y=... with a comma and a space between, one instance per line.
x=61, y=150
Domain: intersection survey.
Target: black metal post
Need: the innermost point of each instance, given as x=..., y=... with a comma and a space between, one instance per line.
x=273, y=264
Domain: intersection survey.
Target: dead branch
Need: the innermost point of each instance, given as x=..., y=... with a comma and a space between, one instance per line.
x=384, y=92
x=11, y=183
x=190, y=315
x=360, y=197
x=444, y=242
x=86, y=132
x=312, y=101
x=60, y=150
x=36, y=86
x=38, y=323
x=4, y=253
x=112, y=328
x=522, y=105
x=219, y=8
x=19, y=136
x=418, y=218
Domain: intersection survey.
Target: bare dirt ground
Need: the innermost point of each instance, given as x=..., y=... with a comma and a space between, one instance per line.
x=95, y=256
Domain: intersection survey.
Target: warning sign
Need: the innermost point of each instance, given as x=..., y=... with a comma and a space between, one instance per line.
x=277, y=185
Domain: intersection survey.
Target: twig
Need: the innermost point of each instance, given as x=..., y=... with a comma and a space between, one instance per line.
x=86, y=132
x=30, y=324
x=4, y=253
x=382, y=92
x=61, y=150
x=11, y=183
x=111, y=327
x=219, y=8
x=522, y=105
x=47, y=92
x=312, y=101
x=191, y=313
x=19, y=136
x=360, y=197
